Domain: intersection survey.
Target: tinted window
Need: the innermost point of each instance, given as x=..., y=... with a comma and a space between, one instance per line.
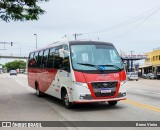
x=35, y=59
x=45, y=58
x=65, y=64
x=51, y=58
x=57, y=59
x=39, y=62
x=31, y=61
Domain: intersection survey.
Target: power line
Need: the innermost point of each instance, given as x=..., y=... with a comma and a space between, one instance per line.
x=143, y=16
x=144, y=20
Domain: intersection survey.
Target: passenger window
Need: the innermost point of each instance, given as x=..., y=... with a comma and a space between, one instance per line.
x=51, y=58
x=31, y=61
x=57, y=59
x=35, y=58
x=40, y=56
x=45, y=59
x=65, y=64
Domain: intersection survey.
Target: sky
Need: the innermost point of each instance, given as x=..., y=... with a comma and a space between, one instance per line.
x=131, y=25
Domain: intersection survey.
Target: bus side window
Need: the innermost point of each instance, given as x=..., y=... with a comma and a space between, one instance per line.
x=35, y=58
x=39, y=62
x=65, y=47
x=65, y=65
x=31, y=61
x=57, y=59
x=51, y=58
x=45, y=58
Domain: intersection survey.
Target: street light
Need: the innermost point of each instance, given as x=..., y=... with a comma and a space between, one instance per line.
x=36, y=39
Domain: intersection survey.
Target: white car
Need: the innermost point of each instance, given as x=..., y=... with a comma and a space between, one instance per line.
x=13, y=72
x=132, y=76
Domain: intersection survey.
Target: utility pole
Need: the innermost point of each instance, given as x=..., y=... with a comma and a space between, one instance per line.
x=131, y=61
x=36, y=39
x=76, y=34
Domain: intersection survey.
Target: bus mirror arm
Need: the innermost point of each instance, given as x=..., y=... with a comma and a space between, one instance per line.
x=123, y=60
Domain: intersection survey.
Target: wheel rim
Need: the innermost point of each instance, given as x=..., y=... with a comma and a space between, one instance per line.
x=66, y=100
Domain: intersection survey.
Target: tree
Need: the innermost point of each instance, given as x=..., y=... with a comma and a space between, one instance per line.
x=17, y=64
x=20, y=10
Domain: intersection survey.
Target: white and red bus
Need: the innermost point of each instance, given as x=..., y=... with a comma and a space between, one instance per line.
x=78, y=72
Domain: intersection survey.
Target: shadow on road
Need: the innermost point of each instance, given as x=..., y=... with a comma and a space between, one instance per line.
x=84, y=107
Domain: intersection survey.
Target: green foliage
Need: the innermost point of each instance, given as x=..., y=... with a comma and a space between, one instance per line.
x=20, y=10
x=17, y=64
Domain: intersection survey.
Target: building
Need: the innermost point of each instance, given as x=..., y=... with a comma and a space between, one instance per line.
x=152, y=63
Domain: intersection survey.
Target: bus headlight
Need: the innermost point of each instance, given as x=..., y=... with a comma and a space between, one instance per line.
x=123, y=82
x=81, y=84
x=123, y=87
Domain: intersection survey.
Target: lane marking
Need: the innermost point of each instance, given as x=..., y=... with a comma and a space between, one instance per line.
x=157, y=109
x=145, y=91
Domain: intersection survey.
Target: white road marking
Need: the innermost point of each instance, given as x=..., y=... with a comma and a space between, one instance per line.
x=145, y=91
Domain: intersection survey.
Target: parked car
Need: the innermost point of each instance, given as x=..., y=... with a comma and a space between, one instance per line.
x=150, y=76
x=144, y=76
x=132, y=76
x=13, y=72
x=1, y=72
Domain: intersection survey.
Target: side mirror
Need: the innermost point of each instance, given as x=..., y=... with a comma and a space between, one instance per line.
x=62, y=53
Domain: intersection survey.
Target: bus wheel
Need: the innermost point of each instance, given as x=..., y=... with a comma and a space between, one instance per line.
x=38, y=92
x=112, y=103
x=66, y=100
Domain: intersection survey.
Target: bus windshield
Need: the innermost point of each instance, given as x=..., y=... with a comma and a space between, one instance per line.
x=101, y=57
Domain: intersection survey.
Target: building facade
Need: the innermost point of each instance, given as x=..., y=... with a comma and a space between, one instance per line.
x=152, y=63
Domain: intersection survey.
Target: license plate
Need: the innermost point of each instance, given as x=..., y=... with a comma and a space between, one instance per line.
x=105, y=90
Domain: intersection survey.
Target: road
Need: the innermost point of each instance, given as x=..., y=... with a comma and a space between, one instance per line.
x=18, y=102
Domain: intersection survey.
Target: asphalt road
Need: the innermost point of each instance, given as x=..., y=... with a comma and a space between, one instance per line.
x=18, y=102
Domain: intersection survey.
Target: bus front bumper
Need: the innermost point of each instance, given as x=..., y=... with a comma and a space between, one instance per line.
x=99, y=100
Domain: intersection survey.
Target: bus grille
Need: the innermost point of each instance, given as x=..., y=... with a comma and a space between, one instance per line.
x=99, y=86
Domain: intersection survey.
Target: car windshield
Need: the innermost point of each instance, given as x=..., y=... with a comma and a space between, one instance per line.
x=13, y=71
x=134, y=74
x=95, y=57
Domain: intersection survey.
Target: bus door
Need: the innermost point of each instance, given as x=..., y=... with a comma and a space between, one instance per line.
x=65, y=79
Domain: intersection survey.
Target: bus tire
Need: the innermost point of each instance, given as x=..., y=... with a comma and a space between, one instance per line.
x=65, y=99
x=112, y=103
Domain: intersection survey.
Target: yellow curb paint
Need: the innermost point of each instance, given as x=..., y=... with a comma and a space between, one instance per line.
x=142, y=105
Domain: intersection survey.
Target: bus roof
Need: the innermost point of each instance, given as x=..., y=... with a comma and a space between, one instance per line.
x=71, y=42
x=93, y=42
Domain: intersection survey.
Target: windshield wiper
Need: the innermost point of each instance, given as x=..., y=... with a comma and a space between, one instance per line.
x=100, y=67
x=95, y=66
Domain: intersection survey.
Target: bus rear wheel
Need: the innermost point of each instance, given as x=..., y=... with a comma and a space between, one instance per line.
x=66, y=101
x=112, y=103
